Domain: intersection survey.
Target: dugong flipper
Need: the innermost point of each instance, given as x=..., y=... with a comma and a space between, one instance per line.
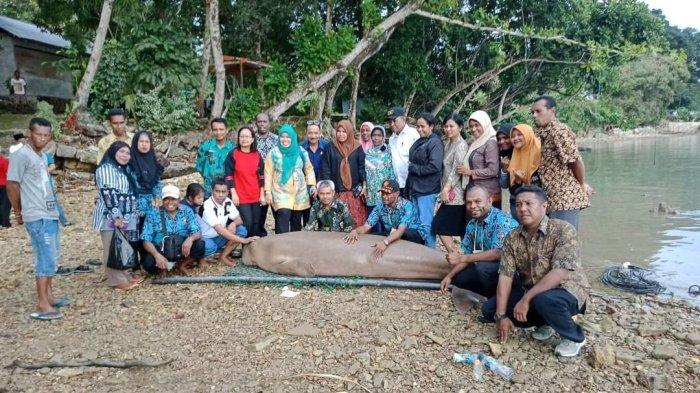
x=308, y=254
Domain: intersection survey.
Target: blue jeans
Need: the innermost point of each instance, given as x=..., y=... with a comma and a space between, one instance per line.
x=61, y=214
x=214, y=244
x=425, y=205
x=46, y=243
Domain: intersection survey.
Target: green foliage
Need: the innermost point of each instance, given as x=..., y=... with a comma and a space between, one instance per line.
x=243, y=106
x=164, y=113
x=277, y=82
x=45, y=110
x=25, y=10
x=73, y=61
x=370, y=15
x=315, y=49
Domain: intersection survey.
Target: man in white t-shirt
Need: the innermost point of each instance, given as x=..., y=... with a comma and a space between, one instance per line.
x=226, y=229
x=18, y=83
x=402, y=138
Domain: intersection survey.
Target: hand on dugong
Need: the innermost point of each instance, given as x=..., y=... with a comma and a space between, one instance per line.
x=308, y=254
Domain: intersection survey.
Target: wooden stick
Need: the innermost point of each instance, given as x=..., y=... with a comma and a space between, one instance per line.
x=90, y=363
x=331, y=376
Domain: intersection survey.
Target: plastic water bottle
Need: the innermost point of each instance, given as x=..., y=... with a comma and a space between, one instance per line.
x=496, y=366
x=478, y=369
x=466, y=358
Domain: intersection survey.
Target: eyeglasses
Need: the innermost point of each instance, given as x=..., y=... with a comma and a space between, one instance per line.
x=313, y=123
x=386, y=192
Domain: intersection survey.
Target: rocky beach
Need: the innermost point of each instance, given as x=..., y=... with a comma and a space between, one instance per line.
x=249, y=338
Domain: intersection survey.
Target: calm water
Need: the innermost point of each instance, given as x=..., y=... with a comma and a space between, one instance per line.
x=630, y=178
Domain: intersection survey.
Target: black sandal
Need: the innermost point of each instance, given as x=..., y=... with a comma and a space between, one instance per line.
x=82, y=269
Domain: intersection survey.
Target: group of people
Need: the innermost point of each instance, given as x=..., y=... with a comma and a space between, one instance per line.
x=417, y=186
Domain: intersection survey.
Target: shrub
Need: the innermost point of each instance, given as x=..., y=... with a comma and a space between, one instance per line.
x=164, y=113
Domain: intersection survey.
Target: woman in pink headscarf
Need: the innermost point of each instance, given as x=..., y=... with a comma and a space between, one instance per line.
x=365, y=135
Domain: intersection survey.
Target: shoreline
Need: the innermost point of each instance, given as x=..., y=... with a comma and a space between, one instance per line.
x=663, y=130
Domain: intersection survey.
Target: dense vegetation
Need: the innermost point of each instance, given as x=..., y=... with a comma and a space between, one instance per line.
x=624, y=67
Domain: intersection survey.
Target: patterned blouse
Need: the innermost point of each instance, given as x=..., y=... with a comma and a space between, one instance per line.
x=558, y=151
x=184, y=224
x=293, y=194
x=337, y=218
x=210, y=162
x=403, y=214
x=379, y=168
x=115, y=199
x=487, y=233
x=554, y=246
x=455, y=154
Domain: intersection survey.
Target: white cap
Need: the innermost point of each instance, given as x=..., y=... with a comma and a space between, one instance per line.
x=171, y=191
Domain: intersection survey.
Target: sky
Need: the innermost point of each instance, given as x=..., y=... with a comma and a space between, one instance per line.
x=681, y=13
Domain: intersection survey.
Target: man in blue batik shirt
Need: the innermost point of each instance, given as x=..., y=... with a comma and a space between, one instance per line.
x=476, y=268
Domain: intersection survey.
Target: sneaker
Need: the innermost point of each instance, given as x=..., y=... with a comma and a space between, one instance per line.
x=568, y=348
x=542, y=333
x=82, y=269
x=64, y=271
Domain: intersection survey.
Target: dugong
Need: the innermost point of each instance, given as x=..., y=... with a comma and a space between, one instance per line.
x=308, y=254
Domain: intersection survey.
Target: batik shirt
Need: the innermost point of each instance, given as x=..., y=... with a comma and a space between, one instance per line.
x=210, y=162
x=483, y=234
x=184, y=224
x=379, y=168
x=337, y=218
x=266, y=143
x=554, y=246
x=403, y=214
x=558, y=151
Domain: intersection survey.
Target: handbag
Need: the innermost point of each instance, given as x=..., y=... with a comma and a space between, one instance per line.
x=121, y=254
x=171, y=246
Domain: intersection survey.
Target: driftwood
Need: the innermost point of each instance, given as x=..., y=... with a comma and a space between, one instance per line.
x=90, y=363
x=330, y=376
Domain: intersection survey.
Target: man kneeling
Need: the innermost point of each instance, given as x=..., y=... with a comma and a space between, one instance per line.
x=177, y=223
x=552, y=288
x=328, y=213
x=226, y=229
x=476, y=269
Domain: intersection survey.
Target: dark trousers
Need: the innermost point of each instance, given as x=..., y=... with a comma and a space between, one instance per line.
x=4, y=207
x=554, y=307
x=262, y=217
x=305, y=214
x=410, y=235
x=287, y=220
x=250, y=214
x=148, y=263
x=479, y=277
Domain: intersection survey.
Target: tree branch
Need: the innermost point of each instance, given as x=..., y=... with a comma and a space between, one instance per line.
x=90, y=363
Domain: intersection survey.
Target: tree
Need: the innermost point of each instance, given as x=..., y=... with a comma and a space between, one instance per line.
x=217, y=54
x=83, y=92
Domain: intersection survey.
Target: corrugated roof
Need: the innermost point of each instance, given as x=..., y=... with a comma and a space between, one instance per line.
x=32, y=32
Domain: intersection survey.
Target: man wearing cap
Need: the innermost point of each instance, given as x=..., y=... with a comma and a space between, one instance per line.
x=402, y=138
x=172, y=219
x=397, y=214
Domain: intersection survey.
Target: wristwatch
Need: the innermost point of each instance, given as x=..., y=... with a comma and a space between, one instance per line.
x=386, y=243
x=497, y=317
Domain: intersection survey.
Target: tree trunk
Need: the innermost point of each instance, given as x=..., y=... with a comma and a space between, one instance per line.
x=329, y=15
x=206, y=59
x=503, y=101
x=362, y=50
x=352, y=110
x=408, y=102
x=220, y=87
x=331, y=89
x=83, y=92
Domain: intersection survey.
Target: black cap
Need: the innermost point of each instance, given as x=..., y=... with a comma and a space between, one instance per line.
x=390, y=186
x=395, y=112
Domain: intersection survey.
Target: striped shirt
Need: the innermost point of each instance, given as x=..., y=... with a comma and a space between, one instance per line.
x=114, y=187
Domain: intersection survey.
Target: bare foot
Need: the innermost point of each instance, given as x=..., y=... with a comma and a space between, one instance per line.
x=227, y=261
x=125, y=286
x=183, y=270
x=202, y=264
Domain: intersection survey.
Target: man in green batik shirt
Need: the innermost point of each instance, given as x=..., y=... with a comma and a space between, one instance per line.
x=211, y=155
x=329, y=214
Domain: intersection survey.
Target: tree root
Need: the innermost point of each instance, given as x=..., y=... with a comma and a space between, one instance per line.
x=90, y=363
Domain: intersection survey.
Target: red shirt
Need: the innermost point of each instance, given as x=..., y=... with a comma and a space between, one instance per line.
x=3, y=171
x=244, y=172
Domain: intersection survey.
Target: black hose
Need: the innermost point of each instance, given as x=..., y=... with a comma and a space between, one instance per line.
x=631, y=279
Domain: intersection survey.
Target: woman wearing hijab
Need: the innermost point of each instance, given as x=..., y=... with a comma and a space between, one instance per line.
x=288, y=173
x=425, y=171
x=451, y=217
x=344, y=164
x=378, y=167
x=365, y=135
x=525, y=161
x=483, y=163
x=146, y=171
x=116, y=208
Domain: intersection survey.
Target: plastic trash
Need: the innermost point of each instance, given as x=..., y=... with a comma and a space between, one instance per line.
x=288, y=293
x=496, y=366
x=478, y=370
x=466, y=358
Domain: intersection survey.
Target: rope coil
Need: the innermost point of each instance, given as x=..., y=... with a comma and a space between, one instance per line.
x=632, y=278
